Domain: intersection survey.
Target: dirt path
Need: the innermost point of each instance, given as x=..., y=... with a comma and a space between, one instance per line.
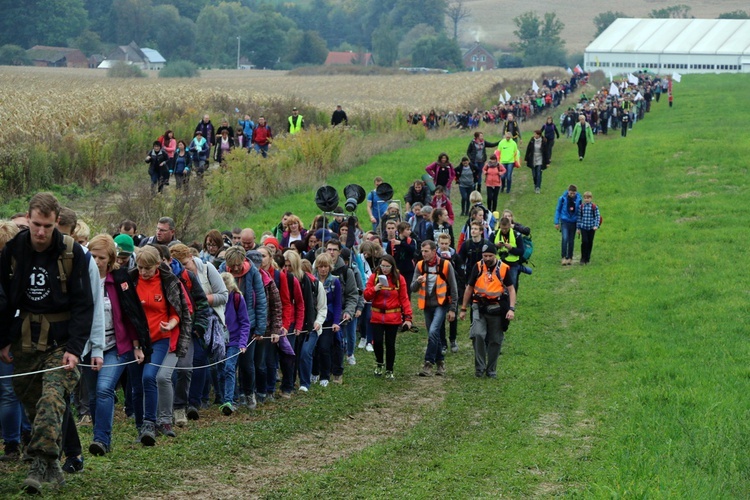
x=316, y=450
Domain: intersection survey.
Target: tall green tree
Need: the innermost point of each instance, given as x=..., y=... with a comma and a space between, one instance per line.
x=385, y=45
x=42, y=22
x=673, y=12
x=408, y=13
x=132, y=21
x=305, y=47
x=173, y=34
x=437, y=52
x=604, y=19
x=539, y=42
x=88, y=42
x=264, y=37
x=13, y=55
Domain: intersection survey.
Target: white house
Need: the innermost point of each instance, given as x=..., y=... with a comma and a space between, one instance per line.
x=666, y=45
x=132, y=54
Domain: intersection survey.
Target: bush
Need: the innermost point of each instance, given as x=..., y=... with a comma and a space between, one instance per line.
x=13, y=55
x=123, y=70
x=180, y=69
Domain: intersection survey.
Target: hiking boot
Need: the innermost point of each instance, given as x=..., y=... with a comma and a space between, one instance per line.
x=286, y=395
x=54, y=475
x=389, y=375
x=227, y=409
x=12, y=452
x=260, y=398
x=338, y=379
x=426, y=370
x=147, y=436
x=270, y=397
x=362, y=343
x=97, y=449
x=440, y=368
x=379, y=370
x=243, y=400
x=251, y=403
x=180, y=417
x=537, y=190
x=37, y=474
x=192, y=413
x=73, y=465
x=165, y=430
x=454, y=347
x=84, y=421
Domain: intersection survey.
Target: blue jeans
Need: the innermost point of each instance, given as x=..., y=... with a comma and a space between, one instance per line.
x=568, y=231
x=102, y=394
x=306, y=359
x=230, y=371
x=261, y=149
x=507, y=178
x=536, y=172
x=365, y=328
x=350, y=336
x=12, y=416
x=465, y=194
x=434, y=318
x=198, y=380
x=149, y=389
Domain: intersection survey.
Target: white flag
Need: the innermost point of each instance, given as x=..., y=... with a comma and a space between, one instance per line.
x=507, y=95
x=613, y=90
x=534, y=86
x=500, y=99
x=638, y=96
x=578, y=69
x=676, y=77
x=569, y=71
x=632, y=79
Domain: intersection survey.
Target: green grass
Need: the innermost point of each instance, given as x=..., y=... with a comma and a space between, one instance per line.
x=624, y=378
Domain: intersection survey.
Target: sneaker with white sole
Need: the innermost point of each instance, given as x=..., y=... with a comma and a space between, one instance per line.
x=454, y=347
x=389, y=375
x=302, y=388
x=362, y=343
x=369, y=347
x=180, y=417
x=314, y=379
x=351, y=360
x=251, y=402
x=323, y=383
x=379, y=370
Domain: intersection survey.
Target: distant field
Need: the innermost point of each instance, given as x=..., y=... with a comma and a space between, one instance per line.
x=492, y=22
x=42, y=101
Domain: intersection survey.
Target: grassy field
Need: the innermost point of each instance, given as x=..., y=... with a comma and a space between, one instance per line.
x=624, y=378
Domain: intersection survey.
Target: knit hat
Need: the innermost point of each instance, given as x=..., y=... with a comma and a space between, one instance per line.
x=272, y=241
x=124, y=244
x=489, y=248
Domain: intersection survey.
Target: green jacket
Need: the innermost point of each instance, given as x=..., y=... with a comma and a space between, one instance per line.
x=589, y=133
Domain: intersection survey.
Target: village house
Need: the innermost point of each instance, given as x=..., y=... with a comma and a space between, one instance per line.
x=57, y=57
x=477, y=58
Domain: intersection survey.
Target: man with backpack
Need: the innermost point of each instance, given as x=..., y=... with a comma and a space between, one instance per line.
x=510, y=247
x=55, y=312
x=435, y=280
x=262, y=137
x=493, y=301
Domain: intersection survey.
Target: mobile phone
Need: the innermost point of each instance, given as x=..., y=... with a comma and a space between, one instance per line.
x=383, y=280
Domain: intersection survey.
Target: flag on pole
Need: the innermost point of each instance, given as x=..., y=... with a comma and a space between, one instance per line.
x=534, y=86
x=613, y=90
x=638, y=96
x=578, y=69
x=569, y=71
x=507, y=95
x=676, y=77
x=500, y=99
x=632, y=79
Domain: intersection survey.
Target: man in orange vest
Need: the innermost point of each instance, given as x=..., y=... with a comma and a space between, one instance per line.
x=490, y=288
x=435, y=281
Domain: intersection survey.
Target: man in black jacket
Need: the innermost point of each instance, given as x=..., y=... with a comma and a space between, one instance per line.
x=46, y=277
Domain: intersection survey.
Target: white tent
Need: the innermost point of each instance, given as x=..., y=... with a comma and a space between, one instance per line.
x=664, y=45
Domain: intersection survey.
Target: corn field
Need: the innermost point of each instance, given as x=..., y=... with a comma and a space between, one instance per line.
x=41, y=104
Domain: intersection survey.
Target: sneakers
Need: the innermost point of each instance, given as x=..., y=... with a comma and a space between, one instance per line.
x=537, y=190
x=302, y=388
x=580, y=158
x=315, y=379
x=37, y=475
x=227, y=409
x=323, y=383
x=260, y=398
x=389, y=375
x=426, y=370
x=243, y=400
x=251, y=402
x=165, y=430
x=444, y=349
x=192, y=413
x=351, y=360
x=369, y=347
x=379, y=370
x=73, y=465
x=454, y=346
x=362, y=343
x=180, y=417
x=147, y=435
x=97, y=449
x=12, y=452
x=440, y=368
x=338, y=379
x=84, y=421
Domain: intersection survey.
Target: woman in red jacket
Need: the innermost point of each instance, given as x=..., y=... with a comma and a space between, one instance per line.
x=391, y=308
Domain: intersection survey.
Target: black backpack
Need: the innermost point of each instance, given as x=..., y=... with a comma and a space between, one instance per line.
x=310, y=295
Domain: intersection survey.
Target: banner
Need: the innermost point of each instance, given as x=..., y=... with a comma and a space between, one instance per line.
x=500, y=99
x=569, y=71
x=578, y=69
x=638, y=96
x=632, y=79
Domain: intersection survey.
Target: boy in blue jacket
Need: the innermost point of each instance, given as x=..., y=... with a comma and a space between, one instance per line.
x=566, y=217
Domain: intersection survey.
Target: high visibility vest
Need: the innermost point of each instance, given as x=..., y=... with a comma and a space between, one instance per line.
x=489, y=285
x=504, y=254
x=294, y=128
x=441, y=285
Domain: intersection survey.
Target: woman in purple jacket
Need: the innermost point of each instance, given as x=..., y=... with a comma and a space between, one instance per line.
x=238, y=325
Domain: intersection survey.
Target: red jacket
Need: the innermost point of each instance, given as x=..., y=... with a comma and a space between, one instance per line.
x=292, y=311
x=391, y=305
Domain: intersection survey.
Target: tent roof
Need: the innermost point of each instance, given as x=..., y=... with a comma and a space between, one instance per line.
x=675, y=36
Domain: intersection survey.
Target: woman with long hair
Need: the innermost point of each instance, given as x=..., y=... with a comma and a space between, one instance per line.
x=388, y=292
x=295, y=231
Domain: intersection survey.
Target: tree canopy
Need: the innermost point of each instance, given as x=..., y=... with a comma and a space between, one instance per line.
x=539, y=41
x=604, y=19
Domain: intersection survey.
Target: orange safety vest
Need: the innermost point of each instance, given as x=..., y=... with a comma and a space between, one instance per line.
x=489, y=285
x=441, y=284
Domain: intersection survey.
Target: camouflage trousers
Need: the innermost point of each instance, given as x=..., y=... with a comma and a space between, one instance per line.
x=43, y=397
